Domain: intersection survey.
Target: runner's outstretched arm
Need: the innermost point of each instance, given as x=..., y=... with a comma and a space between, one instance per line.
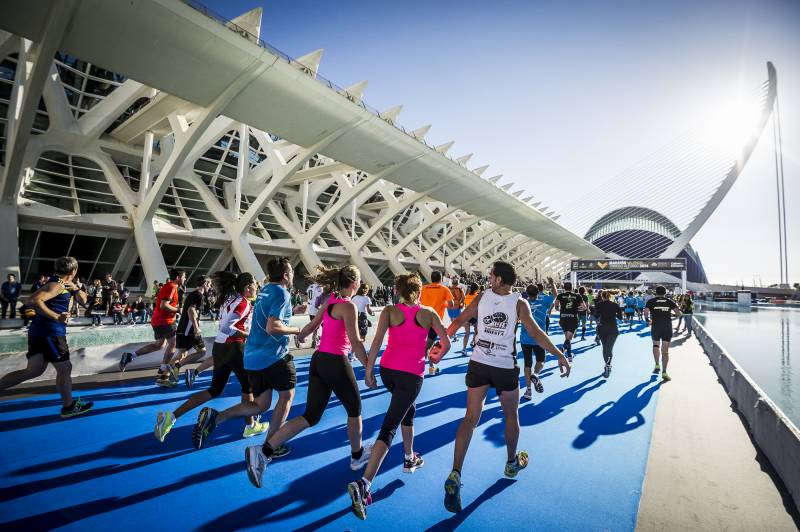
x=524, y=313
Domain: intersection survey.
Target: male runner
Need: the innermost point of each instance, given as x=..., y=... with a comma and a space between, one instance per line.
x=662, y=308
x=494, y=364
x=568, y=304
x=630, y=308
x=313, y=293
x=458, y=301
x=189, y=335
x=165, y=308
x=47, y=335
x=438, y=297
x=582, y=314
x=540, y=303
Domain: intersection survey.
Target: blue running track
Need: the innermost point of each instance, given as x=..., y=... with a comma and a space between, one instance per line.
x=588, y=440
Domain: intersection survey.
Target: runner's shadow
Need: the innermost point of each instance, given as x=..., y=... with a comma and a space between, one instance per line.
x=453, y=522
x=617, y=417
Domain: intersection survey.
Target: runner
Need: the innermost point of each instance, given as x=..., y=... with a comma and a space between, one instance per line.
x=568, y=304
x=402, y=370
x=165, y=307
x=267, y=359
x=458, y=302
x=494, y=364
x=438, y=297
x=639, y=306
x=607, y=314
x=590, y=295
x=330, y=371
x=228, y=354
x=540, y=304
x=630, y=308
x=363, y=304
x=47, y=335
x=687, y=310
x=661, y=307
x=190, y=336
x=314, y=293
x=582, y=314
x=471, y=294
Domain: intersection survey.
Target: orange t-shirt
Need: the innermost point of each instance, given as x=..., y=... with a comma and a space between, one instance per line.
x=469, y=298
x=436, y=296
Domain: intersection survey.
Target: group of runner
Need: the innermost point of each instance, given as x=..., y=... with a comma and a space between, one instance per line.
x=253, y=343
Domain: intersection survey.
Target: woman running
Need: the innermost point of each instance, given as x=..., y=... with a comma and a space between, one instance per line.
x=330, y=372
x=228, y=356
x=607, y=312
x=402, y=368
x=471, y=294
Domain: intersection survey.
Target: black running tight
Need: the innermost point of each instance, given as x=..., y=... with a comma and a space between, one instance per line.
x=608, y=335
x=331, y=374
x=404, y=388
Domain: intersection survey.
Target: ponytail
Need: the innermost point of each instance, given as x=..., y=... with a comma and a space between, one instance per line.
x=228, y=283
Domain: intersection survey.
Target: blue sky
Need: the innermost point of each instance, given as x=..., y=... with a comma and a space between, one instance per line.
x=560, y=96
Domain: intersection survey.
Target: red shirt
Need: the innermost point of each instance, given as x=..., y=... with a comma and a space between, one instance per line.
x=168, y=293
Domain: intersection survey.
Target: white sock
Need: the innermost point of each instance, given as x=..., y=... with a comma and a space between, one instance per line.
x=367, y=483
x=410, y=456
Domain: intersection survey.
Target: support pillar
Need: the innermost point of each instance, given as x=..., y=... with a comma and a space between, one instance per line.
x=150, y=255
x=246, y=257
x=9, y=239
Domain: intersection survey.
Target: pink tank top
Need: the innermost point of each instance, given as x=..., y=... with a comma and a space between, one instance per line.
x=334, y=334
x=405, y=350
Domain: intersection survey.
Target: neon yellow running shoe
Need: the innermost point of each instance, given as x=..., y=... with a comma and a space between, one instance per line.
x=665, y=377
x=520, y=462
x=164, y=424
x=257, y=428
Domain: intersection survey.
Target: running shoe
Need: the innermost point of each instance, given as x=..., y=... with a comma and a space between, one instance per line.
x=537, y=384
x=351, y=357
x=360, y=497
x=520, y=462
x=189, y=376
x=606, y=371
x=164, y=424
x=452, y=492
x=256, y=464
x=125, y=360
x=656, y=370
x=528, y=395
x=358, y=463
x=665, y=377
x=206, y=423
x=77, y=408
x=173, y=372
x=256, y=428
x=281, y=451
x=433, y=370
x=409, y=466
x=570, y=358
x=165, y=381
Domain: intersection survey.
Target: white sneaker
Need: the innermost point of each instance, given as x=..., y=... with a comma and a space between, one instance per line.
x=358, y=463
x=527, y=395
x=256, y=464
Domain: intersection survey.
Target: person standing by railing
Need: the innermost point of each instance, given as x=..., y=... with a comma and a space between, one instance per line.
x=9, y=294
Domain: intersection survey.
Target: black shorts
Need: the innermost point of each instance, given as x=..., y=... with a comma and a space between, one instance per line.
x=228, y=358
x=582, y=318
x=473, y=321
x=280, y=376
x=568, y=324
x=183, y=341
x=52, y=348
x=529, y=350
x=363, y=324
x=629, y=315
x=501, y=379
x=164, y=332
x=661, y=332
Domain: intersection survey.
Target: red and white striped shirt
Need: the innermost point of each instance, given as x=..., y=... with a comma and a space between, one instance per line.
x=235, y=315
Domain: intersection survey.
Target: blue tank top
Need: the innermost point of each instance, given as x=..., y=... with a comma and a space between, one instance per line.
x=539, y=308
x=45, y=326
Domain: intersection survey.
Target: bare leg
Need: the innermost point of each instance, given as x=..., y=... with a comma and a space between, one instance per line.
x=527, y=376
x=466, y=336
x=509, y=402
x=204, y=365
x=247, y=408
x=64, y=381
x=289, y=430
x=281, y=411
x=656, y=354
x=247, y=398
x=36, y=366
x=354, y=433
x=537, y=367
x=664, y=355
x=192, y=402
x=379, y=452
x=168, y=351
x=149, y=348
x=475, y=399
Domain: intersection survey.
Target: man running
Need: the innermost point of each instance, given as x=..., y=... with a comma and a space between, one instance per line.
x=313, y=293
x=540, y=304
x=190, y=336
x=47, y=335
x=661, y=307
x=438, y=297
x=630, y=308
x=568, y=304
x=582, y=314
x=163, y=322
x=494, y=364
x=458, y=301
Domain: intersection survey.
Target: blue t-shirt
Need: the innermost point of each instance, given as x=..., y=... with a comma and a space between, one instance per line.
x=44, y=326
x=639, y=302
x=263, y=349
x=630, y=304
x=539, y=308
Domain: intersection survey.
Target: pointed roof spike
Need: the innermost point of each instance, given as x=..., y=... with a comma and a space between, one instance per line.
x=536, y=204
x=444, y=148
x=507, y=186
x=357, y=90
x=480, y=170
x=421, y=132
x=249, y=22
x=391, y=114
x=495, y=179
x=464, y=158
x=526, y=200
x=312, y=60
x=556, y=217
x=518, y=193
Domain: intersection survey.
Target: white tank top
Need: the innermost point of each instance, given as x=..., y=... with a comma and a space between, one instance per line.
x=497, y=319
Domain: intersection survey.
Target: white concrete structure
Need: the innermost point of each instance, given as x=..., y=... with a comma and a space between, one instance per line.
x=188, y=143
